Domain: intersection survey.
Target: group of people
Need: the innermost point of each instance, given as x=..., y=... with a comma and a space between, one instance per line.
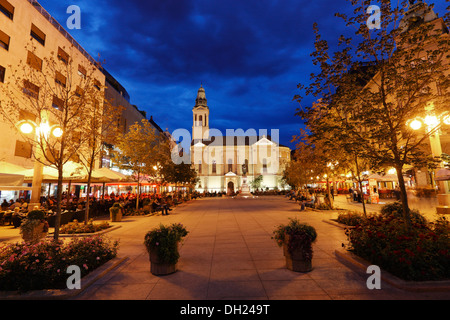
x=11, y=204
x=304, y=197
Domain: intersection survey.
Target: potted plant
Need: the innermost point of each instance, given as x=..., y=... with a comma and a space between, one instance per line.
x=296, y=238
x=162, y=244
x=34, y=226
x=115, y=212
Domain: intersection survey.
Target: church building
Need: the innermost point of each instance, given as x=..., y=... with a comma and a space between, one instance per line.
x=223, y=162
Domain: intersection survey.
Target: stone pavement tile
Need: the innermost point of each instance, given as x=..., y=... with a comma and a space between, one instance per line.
x=333, y=272
x=265, y=264
x=341, y=286
x=238, y=255
x=220, y=290
x=298, y=287
x=227, y=274
x=117, y=292
x=267, y=255
x=229, y=247
x=281, y=274
x=141, y=277
x=181, y=285
x=237, y=264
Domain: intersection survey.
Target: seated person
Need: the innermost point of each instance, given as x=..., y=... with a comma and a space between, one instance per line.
x=5, y=205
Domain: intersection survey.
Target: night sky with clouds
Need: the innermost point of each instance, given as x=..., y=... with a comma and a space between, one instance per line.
x=248, y=54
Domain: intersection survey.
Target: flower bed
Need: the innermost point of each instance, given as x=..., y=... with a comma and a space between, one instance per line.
x=43, y=265
x=420, y=253
x=76, y=227
x=349, y=218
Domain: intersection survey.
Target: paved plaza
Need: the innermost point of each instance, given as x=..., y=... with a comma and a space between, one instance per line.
x=229, y=254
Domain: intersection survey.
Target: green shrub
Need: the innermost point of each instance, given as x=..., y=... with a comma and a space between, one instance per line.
x=349, y=218
x=396, y=209
x=166, y=239
x=419, y=253
x=301, y=235
x=76, y=227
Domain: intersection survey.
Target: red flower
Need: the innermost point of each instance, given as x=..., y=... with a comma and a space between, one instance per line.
x=409, y=252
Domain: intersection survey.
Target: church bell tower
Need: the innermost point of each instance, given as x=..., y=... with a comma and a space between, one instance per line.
x=200, y=112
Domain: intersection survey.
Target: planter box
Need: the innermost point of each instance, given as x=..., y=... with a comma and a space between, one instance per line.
x=35, y=235
x=115, y=216
x=298, y=265
x=295, y=261
x=160, y=268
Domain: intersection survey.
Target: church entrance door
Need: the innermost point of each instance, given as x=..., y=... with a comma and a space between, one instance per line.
x=230, y=188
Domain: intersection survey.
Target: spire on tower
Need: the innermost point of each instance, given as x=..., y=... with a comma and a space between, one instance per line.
x=201, y=97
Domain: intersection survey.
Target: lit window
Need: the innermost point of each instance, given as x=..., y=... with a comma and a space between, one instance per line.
x=58, y=103
x=81, y=71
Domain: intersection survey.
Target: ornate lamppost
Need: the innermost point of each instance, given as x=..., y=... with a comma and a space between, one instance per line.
x=42, y=131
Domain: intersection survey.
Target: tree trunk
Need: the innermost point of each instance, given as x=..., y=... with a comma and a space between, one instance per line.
x=360, y=186
x=138, y=191
x=403, y=196
x=86, y=213
x=58, y=203
x=330, y=197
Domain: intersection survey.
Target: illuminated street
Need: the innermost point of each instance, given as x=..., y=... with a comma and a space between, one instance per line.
x=229, y=254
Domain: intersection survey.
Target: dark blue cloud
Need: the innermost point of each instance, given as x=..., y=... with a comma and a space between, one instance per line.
x=249, y=54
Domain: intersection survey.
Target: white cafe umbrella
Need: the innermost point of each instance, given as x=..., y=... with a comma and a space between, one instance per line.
x=442, y=174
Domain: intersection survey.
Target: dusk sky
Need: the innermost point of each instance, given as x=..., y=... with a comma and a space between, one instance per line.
x=248, y=54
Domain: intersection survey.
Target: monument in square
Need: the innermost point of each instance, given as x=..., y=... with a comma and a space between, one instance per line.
x=245, y=189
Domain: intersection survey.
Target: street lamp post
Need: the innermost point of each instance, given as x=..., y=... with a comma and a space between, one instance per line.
x=42, y=132
x=433, y=124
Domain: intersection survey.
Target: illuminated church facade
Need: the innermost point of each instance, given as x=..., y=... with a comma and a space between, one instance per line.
x=223, y=162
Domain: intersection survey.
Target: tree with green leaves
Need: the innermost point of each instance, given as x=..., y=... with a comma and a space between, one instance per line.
x=256, y=183
x=377, y=81
x=55, y=97
x=100, y=124
x=140, y=150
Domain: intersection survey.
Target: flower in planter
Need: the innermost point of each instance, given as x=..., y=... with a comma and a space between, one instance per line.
x=34, y=227
x=166, y=239
x=299, y=235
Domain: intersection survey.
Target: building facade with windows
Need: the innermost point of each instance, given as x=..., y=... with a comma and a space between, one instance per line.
x=29, y=38
x=222, y=162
